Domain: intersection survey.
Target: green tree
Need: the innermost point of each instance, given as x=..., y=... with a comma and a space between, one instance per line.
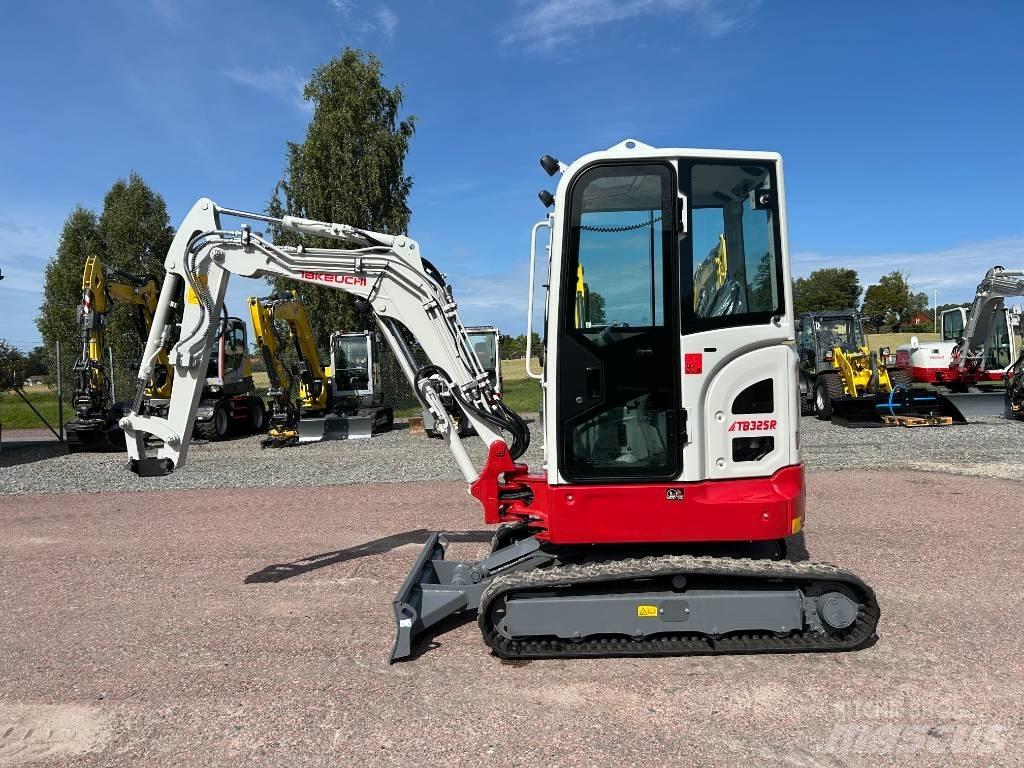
x=349, y=169
x=132, y=235
x=892, y=302
x=36, y=362
x=135, y=235
x=828, y=288
x=512, y=347
x=875, y=309
x=11, y=366
x=62, y=288
x=597, y=308
x=943, y=307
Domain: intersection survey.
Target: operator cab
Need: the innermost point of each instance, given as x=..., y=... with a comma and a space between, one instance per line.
x=351, y=362
x=670, y=270
x=819, y=333
x=485, y=341
x=229, y=356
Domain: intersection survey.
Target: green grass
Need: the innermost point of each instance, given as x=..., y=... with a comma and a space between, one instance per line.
x=14, y=414
x=516, y=369
x=893, y=340
x=521, y=395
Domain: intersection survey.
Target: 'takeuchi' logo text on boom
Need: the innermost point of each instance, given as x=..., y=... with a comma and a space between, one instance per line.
x=324, y=277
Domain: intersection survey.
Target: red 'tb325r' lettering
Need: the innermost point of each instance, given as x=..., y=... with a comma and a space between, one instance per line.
x=754, y=425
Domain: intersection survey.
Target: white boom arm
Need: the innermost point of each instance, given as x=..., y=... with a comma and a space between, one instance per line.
x=998, y=285
x=386, y=271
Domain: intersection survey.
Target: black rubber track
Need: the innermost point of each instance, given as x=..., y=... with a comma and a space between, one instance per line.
x=782, y=573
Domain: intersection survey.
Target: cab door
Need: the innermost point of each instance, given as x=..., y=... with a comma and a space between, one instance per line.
x=618, y=372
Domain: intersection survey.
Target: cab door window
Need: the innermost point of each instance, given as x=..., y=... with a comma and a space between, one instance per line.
x=618, y=370
x=736, y=261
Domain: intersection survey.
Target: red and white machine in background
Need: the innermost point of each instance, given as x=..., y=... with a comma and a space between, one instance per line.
x=988, y=330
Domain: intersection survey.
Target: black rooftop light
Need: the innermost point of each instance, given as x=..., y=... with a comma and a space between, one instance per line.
x=549, y=164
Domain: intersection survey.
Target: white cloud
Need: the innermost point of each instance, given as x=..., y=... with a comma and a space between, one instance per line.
x=387, y=20
x=283, y=83
x=382, y=22
x=547, y=24
x=955, y=271
x=493, y=299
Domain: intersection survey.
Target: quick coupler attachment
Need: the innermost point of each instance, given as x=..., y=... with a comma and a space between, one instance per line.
x=151, y=467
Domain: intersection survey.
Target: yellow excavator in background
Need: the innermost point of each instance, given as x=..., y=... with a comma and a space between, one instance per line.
x=312, y=391
x=95, y=424
x=336, y=401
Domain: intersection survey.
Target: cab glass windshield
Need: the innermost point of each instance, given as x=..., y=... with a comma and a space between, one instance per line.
x=842, y=332
x=351, y=363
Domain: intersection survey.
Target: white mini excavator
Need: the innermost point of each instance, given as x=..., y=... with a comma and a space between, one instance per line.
x=670, y=429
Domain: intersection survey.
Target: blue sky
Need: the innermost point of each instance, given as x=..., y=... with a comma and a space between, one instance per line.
x=900, y=123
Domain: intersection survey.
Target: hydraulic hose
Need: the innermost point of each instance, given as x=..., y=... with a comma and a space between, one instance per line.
x=505, y=419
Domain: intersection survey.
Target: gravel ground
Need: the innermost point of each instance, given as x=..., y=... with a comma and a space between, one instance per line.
x=251, y=627
x=985, y=449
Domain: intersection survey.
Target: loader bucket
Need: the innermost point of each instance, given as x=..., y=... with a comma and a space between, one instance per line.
x=977, y=405
x=872, y=410
x=333, y=427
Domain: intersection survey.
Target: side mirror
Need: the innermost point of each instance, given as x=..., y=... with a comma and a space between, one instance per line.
x=914, y=342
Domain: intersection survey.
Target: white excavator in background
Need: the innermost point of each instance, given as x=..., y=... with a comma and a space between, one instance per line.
x=670, y=429
x=931, y=362
x=989, y=344
x=486, y=342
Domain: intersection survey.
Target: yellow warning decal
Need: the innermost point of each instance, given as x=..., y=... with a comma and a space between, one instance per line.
x=647, y=611
x=190, y=295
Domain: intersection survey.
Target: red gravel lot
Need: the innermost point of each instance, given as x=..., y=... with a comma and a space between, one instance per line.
x=130, y=636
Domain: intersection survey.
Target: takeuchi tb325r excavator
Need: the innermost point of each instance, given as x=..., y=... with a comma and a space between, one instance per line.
x=670, y=426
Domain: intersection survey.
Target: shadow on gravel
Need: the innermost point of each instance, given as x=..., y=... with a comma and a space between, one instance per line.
x=429, y=641
x=16, y=453
x=281, y=571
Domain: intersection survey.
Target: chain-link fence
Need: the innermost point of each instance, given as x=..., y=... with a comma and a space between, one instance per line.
x=38, y=384
x=32, y=408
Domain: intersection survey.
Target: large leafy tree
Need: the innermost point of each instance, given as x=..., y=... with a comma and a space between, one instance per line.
x=62, y=287
x=11, y=366
x=135, y=235
x=349, y=169
x=892, y=302
x=132, y=235
x=828, y=288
